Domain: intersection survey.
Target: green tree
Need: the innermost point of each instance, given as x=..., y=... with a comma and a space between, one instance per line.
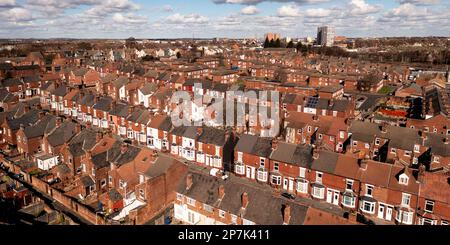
x=290, y=44
x=266, y=43
x=277, y=43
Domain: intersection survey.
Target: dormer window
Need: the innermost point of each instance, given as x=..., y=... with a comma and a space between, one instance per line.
x=403, y=179
x=416, y=148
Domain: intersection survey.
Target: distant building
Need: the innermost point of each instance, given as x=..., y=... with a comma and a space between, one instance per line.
x=325, y=36
x=272, y=36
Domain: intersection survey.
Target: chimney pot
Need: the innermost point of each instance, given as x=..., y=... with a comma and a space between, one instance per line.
x=123, y=148
x=244, y=200
x=189, y=181
x=221, y=191
x=286, y=214
x=315, y=153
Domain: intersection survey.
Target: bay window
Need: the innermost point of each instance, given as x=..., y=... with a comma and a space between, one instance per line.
x=348, y=200
x=262, y=175
x=318, y=191
x=276, y=179
x=239, y=169
x=405, y=217
x=368, y=206
x=302, y=186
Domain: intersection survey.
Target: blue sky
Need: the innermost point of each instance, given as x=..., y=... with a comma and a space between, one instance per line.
x=221, y=18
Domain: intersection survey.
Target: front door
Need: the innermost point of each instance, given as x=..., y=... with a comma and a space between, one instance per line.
x=329, y=196
x=249, y=172
x=388, y=213
x=381, y=211
x=285, y=183
x=336, y=198
x=291, y=185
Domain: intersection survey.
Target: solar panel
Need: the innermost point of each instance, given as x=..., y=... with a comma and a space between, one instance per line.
x=312, y=102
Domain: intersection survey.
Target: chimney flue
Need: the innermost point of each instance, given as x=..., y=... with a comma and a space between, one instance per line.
x=189, y=181
x=286, y=214
x=244, y=200
x=221, y=192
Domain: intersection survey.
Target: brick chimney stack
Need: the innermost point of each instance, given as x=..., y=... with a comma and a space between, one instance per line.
x=221, y=192
x=244, y=200
x=189, y=181
x=315, y=153
x=286, y=214
x=123, y=148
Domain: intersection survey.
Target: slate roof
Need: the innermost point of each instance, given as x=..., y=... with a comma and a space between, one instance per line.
x=205, y=189
x=212, y=136
x=44, y=125
x=254, y=145
x=26, y=119
x=62, y=134
x=298, y=155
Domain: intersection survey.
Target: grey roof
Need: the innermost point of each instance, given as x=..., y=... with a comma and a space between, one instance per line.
x=128, y=156
x=326, y=162
x=299, y=155
x=62, y=90
x=88, y=99
x=103, y=104
x=119, y=109
x=160, y=166
x=121, y=81
x=85, y=140
x=44, y=125
x=26, y=119
x=263, y=208
x=87, y=181
x=100, y=160
x=254, y=145
x=31, y=79
x=114, y=195
x=437, y=145
x=62, y=134
x=213, y=136
x=148, y=88
x=139, y=116
x=9, y=82
x=186, y=131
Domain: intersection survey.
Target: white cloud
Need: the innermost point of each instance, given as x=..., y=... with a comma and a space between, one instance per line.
x=253, y=2
x=17, y=15
x=112, y=6
x=288, y=11
x=129, y=19
x=7, y=3
x=250, y=10
x=420, y=2
x=317, y=13
x=360, y=7
x=186, y=19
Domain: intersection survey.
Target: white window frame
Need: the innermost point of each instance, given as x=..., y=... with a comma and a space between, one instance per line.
x=369, y=187
x=190, y=201
x=302, y=186
x=262, y=176
x=347, y=182
x=302, y=172
x=275, y=180
x=429, y=202
x=406, y=199
x=222, y=213
x=239, y=169
x=371, y=209
x=352, y=201
x=318, y=192
x=319, y=176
